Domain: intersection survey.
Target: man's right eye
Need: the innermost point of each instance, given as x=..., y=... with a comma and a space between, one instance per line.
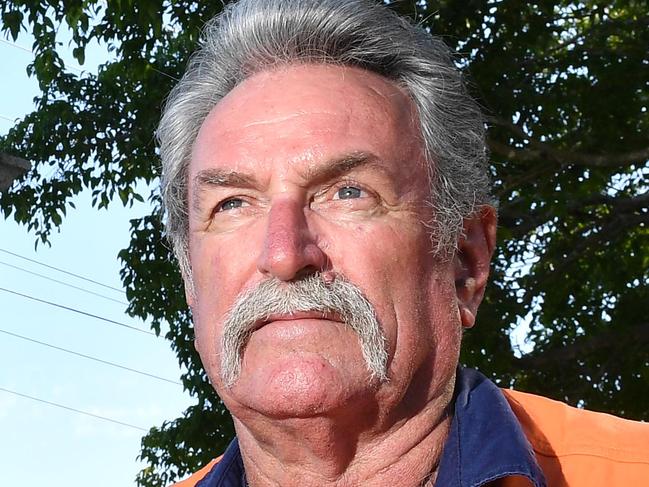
x=230, y=204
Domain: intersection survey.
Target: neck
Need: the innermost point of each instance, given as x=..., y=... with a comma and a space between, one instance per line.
x=342, y=451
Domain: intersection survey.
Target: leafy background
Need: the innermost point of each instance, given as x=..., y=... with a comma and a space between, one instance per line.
x=565, y=88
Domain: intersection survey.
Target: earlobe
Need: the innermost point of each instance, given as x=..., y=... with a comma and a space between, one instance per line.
x=466, y=317
x=472, y=261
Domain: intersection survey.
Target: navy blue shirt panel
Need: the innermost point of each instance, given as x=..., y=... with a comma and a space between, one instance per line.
x=486, y=441
x=228, y=472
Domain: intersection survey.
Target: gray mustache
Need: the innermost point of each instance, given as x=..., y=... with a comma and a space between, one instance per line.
x=310, y=294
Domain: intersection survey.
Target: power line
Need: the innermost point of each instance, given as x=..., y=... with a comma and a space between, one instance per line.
x=63, y=283
x=18, y=46
x=12, y=120
x=78, y=411
x=164, y=74
x=61, y=270
x=74, y=310
x=89, y=357
x=22, y=48
x=78, y=69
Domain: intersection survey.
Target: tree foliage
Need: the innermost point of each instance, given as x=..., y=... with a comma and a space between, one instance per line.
x=565, y=86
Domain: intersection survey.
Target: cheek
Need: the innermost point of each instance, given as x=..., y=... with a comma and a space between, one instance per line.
x=383, y=256
x=219, y=274
x=391, y=264
x=220, y=265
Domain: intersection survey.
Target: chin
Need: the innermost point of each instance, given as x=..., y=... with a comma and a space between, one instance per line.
x=301, y=387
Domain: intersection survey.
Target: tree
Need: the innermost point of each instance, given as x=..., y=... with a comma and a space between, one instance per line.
x=565, y=87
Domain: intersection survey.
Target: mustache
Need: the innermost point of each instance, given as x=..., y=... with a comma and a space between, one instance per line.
x=337, y=297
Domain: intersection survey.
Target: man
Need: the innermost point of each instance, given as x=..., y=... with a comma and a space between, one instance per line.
x=327, y=196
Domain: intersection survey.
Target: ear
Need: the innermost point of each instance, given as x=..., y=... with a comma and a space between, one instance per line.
x=471, y=262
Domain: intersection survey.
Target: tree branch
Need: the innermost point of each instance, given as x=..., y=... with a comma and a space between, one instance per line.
x=624, y=204
x=610, y=231
x=584, y=346
x=542, y=150
x=621, y=206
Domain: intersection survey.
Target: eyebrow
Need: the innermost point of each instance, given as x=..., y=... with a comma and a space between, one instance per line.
x=220, y=178
x=340, y=166
x=335, y=167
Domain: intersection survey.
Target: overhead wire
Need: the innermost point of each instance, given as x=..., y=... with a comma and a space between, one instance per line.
x=61, y=270
x=78, y=411
x=64, y=283
x=68, y=308
x=23, y=48
x=18, y=46
x=74, y=310
x=89, y=357
x=75, y=68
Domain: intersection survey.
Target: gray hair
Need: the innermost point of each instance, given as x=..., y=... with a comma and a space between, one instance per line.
x=256, y=35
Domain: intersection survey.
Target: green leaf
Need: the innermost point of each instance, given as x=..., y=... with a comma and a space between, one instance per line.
x=12, y=21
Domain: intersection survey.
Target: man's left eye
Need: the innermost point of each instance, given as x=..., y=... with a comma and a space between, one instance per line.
x=348, y=193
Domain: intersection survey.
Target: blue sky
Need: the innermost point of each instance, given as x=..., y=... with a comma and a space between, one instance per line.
x=41, y=444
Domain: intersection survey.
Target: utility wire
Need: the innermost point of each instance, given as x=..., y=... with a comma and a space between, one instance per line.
x=74, y=310
x=78, y=69
x=89, y=357
x=64, y=283
x=78, y=411
x=22, y=48
x=164, y=74
x=61, y=270
x=13, y=44
x=12, y=120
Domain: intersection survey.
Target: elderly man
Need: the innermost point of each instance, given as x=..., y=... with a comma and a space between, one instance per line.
x=327, y=195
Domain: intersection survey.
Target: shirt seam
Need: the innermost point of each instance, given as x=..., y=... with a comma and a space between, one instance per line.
x=547, y=449
x=507, y=471
x=588, y=454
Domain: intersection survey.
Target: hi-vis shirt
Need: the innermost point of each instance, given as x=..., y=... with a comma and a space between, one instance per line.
x=505, y=438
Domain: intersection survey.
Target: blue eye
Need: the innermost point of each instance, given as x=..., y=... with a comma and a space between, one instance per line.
x=231, y=204
x=348, y=192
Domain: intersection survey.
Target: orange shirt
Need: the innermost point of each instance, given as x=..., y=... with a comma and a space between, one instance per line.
x=198, y=475
x=579, y=448
x=574, y=447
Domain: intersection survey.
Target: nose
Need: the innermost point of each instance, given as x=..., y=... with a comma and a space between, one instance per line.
x=290, y=250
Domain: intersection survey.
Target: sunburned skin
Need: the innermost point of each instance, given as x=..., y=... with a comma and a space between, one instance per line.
x=317, y=168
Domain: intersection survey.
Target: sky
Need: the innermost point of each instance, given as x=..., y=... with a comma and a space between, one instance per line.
x=43, y=444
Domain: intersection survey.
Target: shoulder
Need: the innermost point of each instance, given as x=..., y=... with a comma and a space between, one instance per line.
x=579, y=447
x=198, y=475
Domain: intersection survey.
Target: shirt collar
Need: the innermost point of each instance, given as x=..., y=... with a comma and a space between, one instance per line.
x=485, y=442
x=228, y=472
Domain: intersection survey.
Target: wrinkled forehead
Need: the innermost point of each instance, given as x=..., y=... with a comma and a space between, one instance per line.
x=314, y=86
x=310, y=104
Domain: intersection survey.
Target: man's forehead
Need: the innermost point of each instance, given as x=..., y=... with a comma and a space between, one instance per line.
x=313, y=121
x=287, y=93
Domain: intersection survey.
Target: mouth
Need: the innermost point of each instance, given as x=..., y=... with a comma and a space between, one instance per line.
x=298, y=315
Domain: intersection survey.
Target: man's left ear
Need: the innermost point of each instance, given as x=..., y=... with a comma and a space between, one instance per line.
x=472, y=260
